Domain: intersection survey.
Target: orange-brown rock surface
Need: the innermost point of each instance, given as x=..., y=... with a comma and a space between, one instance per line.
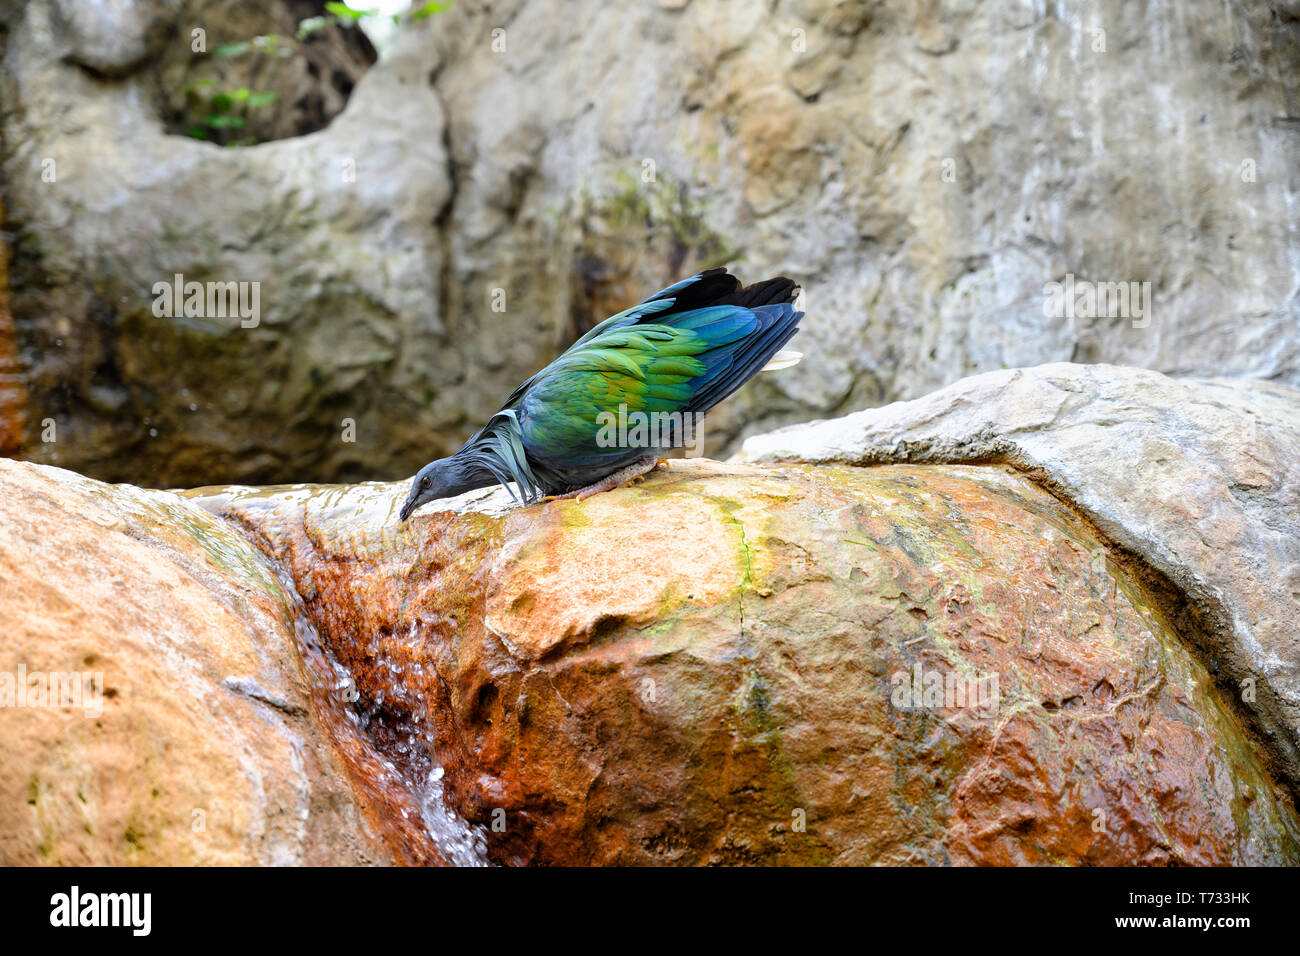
x=717, y=665
x=155, y=705
x=1198, y=479
x=725, y=664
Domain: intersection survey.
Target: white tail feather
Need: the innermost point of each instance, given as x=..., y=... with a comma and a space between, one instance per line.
x=782, y=359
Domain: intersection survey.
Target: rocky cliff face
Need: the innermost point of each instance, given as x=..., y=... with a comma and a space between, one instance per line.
x=505, y=177
x=842, y=661
x=335, y=348
x=924, y=168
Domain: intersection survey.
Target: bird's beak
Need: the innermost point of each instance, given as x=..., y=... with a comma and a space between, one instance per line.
x=407, y=508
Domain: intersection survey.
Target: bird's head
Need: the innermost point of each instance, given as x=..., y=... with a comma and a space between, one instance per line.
x=431, y=482
x=443, y=478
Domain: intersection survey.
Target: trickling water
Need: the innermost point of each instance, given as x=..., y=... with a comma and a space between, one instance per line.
x=411, y=762
x=462, y=844
x=370, y=687
x=413, y=791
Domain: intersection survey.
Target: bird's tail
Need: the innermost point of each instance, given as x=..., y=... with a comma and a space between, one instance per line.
x=786, y=357
x=751, y=327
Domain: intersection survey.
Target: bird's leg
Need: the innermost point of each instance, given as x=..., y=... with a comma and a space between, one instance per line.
x=663, y=463
x=627, y=475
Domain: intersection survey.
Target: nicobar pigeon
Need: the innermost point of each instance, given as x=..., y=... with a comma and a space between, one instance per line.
x=684, y=349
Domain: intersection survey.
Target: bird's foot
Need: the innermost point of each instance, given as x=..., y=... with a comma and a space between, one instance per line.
x=624, y=476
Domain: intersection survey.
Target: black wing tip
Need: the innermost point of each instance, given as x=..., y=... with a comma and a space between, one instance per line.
x=718, y=286
x=773, y=291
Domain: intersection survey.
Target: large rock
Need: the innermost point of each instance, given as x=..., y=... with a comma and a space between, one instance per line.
x=716, y=667
x=725, y=664
x=925, y=169
x=113, y=37
x=1199, y=479
x=156, y=706
x=345, y=369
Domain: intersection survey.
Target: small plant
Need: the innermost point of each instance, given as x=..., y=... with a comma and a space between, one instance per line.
x=350, y=16
x=219, y=115
x=271, y=44
x=427, y=10
x=223, y=112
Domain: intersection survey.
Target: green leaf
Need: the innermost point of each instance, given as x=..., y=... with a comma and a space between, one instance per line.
x=198, y=132
x=262, y=99
x=241, y=94
x=225, y=122
x=231, y=49
x=344, y=12
x=429, y=9
x=220, y=102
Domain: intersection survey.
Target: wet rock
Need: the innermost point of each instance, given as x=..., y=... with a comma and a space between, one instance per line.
x=788, y=664
x=1200, y=479
x=156, y=707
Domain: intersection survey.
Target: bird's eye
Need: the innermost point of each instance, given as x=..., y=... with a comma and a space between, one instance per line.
x=425, y=482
